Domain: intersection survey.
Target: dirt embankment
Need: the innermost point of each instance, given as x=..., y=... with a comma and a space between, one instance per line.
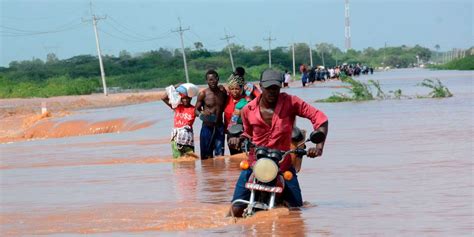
x=22, y=119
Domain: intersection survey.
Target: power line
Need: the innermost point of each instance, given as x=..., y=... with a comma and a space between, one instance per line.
x=31, y=33
x=137, y=35
x=126, y=28
x=187, y=38
x=12, y=31
x=128, y=40
x=241, y=41
x=134, y=34
x=195, y=34
x=124, y=33
x=70, y=23
x=118, y=37
x=50, y=17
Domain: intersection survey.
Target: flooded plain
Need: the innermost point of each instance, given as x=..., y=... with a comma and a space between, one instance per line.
x=390, y=168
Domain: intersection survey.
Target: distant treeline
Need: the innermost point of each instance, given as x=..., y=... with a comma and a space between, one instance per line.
x=162, y=67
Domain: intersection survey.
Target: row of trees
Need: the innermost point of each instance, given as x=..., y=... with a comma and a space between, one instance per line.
x=162, y=67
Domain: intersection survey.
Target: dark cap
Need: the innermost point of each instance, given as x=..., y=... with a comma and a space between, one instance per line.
x=271, y=77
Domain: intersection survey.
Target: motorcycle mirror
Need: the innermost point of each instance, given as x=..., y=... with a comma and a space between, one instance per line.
x=297, y=135
x=236, y=130
x=317, y=137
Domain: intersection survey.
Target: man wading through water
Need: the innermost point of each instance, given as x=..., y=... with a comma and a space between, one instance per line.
x=268, y=121
x=210, y=106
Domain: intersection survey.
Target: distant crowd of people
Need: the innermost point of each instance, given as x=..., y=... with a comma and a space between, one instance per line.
x=309, y=75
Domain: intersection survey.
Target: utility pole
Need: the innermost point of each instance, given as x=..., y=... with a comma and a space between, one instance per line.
x=347, y=26
x=94, y=23
x=227, y=37
x=322, y=57
x=384, y=49
x=181, y=30
x=294, y=65
x=311, y=55
x=269, y=39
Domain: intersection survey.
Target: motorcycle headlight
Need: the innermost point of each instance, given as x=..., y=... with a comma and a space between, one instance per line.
x=265, y=170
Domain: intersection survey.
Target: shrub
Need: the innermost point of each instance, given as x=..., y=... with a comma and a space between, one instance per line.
x=439, y=90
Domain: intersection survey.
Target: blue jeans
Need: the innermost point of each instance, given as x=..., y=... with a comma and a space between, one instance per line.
x=291, y=193
x=211, y=141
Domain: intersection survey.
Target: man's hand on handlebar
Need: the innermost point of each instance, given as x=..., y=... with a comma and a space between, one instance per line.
x=315, y=151
x=318, y=150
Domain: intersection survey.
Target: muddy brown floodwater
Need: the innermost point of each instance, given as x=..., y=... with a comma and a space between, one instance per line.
x=390, y=168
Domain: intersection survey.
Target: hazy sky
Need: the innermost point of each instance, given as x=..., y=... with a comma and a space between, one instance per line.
x=32, y=28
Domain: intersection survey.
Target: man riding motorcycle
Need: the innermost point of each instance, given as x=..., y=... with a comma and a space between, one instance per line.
x=268, y=121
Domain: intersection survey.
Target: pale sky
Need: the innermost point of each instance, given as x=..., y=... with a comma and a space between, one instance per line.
x=32, y=28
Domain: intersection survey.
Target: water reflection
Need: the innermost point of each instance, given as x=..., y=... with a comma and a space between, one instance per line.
x=185, y=180
x=217, y=178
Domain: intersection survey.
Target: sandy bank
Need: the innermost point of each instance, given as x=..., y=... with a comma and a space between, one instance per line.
x=18, y=117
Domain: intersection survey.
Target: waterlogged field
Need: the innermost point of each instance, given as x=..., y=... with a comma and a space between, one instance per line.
x=390, y=168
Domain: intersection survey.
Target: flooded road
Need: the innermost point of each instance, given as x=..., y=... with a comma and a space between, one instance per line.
x=390, y=168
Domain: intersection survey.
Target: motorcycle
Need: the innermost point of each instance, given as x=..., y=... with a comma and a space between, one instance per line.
x=267, y=182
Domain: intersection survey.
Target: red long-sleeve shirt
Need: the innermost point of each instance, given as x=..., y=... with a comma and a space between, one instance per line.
x=278, y=135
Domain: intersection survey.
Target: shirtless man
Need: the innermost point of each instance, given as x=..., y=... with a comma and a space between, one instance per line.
x=210, y=106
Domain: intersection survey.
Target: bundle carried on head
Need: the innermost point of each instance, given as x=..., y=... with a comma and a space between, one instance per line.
x=188, y=89
x=175, y=94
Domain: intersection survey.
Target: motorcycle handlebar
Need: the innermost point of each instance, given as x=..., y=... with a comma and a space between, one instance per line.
x=247, y=144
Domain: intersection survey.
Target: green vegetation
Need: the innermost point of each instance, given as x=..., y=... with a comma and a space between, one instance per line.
x=466, y=63
x=162, y=67
x=336, y=98
x=55, y=86
x=360, y=91
x=439, y=90
x=397, y=94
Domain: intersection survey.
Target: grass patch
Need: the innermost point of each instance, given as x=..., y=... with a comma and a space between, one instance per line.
x=438, y=89
x=397, y=94
x=360, y=91
x=336, y=98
